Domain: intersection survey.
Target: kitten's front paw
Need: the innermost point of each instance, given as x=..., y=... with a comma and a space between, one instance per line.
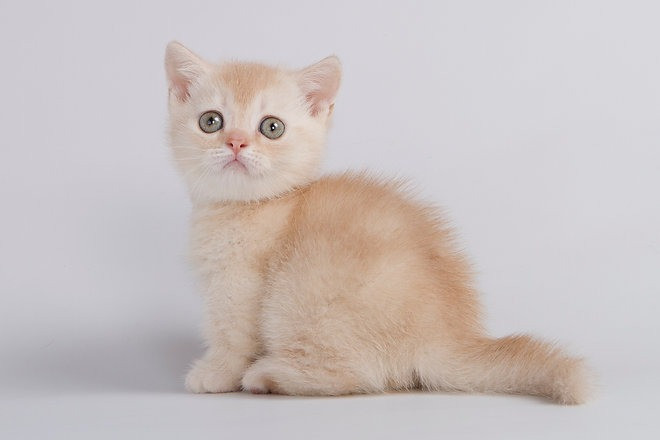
x=208, y=377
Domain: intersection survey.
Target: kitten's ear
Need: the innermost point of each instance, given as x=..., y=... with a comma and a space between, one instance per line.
x=320, y=82
x=183, y=68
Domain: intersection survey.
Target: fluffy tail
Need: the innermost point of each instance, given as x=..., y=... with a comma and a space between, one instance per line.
x=514, y=364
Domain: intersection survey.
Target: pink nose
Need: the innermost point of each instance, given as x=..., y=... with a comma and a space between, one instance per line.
x=236, y=141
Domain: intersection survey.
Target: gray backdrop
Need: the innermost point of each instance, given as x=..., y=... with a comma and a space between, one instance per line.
x=534, y=123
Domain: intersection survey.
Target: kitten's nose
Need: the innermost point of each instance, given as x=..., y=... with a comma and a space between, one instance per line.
x=236, y=141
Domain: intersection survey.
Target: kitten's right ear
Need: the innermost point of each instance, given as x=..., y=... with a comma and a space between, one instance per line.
x=183, y=69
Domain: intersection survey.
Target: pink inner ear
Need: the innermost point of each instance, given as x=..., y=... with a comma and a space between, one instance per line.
x=319, y=100
x=320, y=83
x=179, y=86
x=182, y=67
x=181, y=76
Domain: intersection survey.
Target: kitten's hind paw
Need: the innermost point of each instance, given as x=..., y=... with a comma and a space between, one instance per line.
x=207, y=377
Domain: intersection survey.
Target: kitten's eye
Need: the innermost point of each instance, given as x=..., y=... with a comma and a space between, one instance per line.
x=272, y=127
x=211, y=122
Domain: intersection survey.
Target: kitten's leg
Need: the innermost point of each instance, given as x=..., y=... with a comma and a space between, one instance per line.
x=513, y=364
x=218, y=371
x=299, y=376
x=231, y=336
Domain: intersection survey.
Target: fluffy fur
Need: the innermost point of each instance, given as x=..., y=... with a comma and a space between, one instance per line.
x=333, y=285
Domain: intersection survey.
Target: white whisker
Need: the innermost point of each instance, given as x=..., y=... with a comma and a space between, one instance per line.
x=188, y=173
x=185, y=159
x=187, y=147
x=195, y=187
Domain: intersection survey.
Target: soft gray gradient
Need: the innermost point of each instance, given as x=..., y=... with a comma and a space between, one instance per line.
x=535, y=124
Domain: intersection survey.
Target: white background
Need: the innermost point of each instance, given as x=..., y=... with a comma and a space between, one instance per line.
x=534, y=123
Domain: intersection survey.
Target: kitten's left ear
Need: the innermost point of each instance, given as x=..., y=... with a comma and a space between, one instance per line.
x=183, y=68
x=320, y=83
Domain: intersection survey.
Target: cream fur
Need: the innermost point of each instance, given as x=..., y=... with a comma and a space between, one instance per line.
x=329, y=286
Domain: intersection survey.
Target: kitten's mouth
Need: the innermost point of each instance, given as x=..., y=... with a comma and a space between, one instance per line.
x=236, y=165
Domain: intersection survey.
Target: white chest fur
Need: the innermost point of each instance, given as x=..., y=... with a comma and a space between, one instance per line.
x=230, y=245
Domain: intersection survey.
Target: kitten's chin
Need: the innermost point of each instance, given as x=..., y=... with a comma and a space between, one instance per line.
x=236, y=184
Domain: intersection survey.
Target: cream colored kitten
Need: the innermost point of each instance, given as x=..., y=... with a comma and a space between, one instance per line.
x=332, y=285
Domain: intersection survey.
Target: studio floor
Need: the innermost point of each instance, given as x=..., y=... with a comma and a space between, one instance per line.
x=72, y=390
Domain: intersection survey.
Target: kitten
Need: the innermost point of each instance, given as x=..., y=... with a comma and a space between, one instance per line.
x=332, y=285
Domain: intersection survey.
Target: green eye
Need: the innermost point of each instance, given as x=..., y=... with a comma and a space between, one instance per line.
x=210, y=122
x=272, y=127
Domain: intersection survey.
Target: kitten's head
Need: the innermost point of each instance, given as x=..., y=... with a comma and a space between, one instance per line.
x=245, y=131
